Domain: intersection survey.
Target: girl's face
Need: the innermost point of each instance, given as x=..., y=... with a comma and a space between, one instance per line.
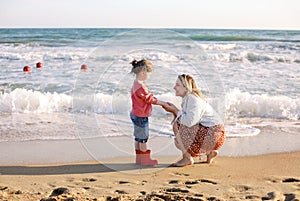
x=143, y=75
x=180, y=90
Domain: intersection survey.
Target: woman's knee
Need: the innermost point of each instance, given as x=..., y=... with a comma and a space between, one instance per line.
x=179, y=145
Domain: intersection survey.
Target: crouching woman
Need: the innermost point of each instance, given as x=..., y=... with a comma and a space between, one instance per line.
x=197, y=127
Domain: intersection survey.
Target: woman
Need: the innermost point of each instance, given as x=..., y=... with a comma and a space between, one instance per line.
x=197, y=127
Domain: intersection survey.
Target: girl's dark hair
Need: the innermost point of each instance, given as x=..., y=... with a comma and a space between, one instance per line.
x=138, y=66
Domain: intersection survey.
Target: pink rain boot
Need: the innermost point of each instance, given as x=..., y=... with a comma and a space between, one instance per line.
x=137, y=157
x=146, y=160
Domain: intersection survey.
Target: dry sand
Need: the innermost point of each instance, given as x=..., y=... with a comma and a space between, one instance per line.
x=264, y=177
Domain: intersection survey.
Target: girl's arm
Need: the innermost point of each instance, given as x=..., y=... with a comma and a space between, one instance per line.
x=161, y=103
x=145, y=95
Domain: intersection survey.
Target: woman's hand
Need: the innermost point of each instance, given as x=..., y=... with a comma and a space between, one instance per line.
x=170, y=107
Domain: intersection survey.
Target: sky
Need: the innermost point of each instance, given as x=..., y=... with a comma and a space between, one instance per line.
x=228, y=14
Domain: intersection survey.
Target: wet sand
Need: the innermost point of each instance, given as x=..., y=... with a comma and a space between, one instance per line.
x=264, y=177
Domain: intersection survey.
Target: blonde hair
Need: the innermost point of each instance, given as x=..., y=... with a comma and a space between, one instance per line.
x=190, y=84
x=138, y=66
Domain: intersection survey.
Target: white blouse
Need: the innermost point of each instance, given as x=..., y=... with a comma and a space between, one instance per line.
x=197, y=111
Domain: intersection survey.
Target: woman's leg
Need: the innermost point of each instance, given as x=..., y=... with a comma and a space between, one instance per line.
x=219, y=139
x=187, y=159
x=211, y=156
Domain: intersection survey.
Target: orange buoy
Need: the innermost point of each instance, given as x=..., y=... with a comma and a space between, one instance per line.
x=84, y=67
x=39, y=65
x=26, y=69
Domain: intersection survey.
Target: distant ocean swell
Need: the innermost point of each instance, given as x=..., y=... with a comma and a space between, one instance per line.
x=214, y=52
x=239, y=38
x=237, y=104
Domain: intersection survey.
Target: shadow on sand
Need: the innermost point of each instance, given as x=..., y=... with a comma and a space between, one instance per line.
x=76, y=169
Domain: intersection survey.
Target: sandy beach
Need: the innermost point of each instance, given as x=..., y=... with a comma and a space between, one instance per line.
x=249, y=168
x=264, y=177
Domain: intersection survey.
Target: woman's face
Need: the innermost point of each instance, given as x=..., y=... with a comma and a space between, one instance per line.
x=180, y=90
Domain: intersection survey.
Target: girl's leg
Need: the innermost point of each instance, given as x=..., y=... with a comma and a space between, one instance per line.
x=143, y=146
x=144, y=153
x=137, y=145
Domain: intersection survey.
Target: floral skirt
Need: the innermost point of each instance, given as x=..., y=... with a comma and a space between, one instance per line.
x=198, y=139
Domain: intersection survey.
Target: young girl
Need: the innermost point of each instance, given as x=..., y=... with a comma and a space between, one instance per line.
x=142, y=101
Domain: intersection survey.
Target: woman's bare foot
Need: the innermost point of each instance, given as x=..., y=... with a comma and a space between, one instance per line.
x=211, y=156
x=183, y=162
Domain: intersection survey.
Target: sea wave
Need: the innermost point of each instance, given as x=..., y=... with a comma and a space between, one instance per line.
x=237, y=104
x=239, y=38
x=29, y=52
x=216, y=52
x=29, y=101
x=244, y=104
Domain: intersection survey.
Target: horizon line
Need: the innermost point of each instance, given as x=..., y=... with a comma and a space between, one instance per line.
x=221, y=28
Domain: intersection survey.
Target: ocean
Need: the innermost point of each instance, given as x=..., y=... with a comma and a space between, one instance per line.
x=249, y=76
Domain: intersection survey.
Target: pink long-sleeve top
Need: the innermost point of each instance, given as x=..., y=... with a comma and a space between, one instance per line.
x=142, y=99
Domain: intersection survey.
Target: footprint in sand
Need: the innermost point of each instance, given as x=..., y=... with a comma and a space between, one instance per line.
x=252, y=197
x=121, y=192
x=198, y=195
x=177, y=190
x=3, y=188
x=271, y=196
x=242, y=188
x=208, y=181
x=200, y=180
x=143, y=192
x=173, y=182
x=212, y=199
x=89, y=179
x=181, y=174
x=192, y=182
x=59, y=191
x=123, y=182
x=289, y=197
x=290, y=180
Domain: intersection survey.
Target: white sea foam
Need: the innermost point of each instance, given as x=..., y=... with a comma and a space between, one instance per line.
x=218, y=46
x=29, y=101
x=29, y=53
x=244, y=104
x=237, y=103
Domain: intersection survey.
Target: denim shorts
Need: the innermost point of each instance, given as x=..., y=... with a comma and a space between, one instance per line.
x=140, y=128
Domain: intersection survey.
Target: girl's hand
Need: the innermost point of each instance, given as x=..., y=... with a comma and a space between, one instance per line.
x=170, y=107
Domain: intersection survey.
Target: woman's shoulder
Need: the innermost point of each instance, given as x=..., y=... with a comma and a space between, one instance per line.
x=194, y=98
x=191, y=99
x=191, y=96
